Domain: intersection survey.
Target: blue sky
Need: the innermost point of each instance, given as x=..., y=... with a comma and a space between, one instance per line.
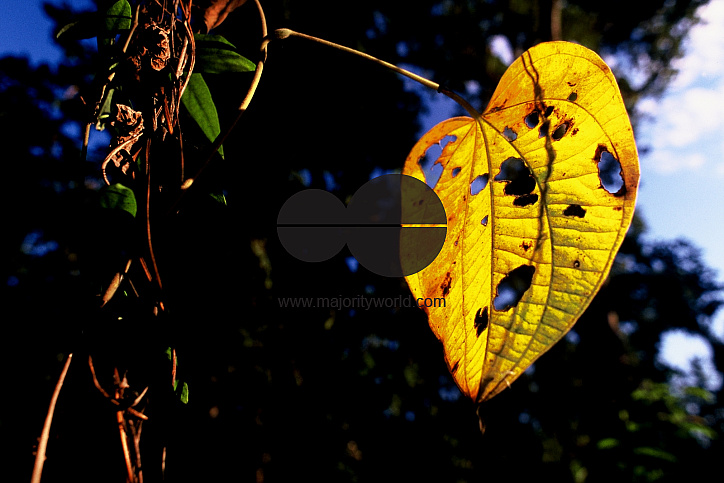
x=682, y=178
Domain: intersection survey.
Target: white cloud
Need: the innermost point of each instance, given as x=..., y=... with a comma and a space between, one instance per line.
x=685, y=121
x=704, y=48
x=671, y=161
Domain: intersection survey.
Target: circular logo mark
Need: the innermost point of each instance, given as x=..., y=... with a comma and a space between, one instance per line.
x=394, y=225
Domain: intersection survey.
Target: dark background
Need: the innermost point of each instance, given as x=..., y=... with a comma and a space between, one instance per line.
x=281, y=394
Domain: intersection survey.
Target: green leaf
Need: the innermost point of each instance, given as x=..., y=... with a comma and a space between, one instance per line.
x=116, y=19
x=183, y=394
x=105, y=111
x=118, y=197
x=216, y=55
x=220, y=198
x=183, y=391
x=199, y=104
x=607, y=443
x=83, y=28
x=655, y=453
x=700, y=393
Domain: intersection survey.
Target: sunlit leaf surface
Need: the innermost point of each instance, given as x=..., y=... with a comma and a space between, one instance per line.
x=539, y=193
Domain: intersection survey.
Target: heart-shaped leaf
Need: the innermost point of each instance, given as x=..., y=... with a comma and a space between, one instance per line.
x=539, y=192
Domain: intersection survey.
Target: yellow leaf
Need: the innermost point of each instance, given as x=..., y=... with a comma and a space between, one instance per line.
x=547, y=222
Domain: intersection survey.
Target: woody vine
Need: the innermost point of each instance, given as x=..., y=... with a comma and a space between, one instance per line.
x=152, y=97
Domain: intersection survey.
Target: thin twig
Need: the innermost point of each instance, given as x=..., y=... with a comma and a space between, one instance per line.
x=138, y=414
x=173, y=367
x=241, y=110
x=134, y=25
x=43, y=443
x=137, y=447
x=140, y=396
x=122, y=426
x=95, y=379
x=148, y=216
x=163, y=464
x=145, y=269
x=124, y=445
x=114, y=151
x=192, y=58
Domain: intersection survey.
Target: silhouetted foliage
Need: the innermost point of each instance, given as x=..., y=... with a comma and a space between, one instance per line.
x=287, y=394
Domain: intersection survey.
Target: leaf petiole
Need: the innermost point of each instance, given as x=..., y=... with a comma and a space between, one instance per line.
x=281, y=34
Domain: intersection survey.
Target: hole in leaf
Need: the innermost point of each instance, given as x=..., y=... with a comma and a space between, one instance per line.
x=511, y=289
x=456, y=171
x=481, y=321
x=549, y=111
x=573, y=96
x=479, y=184
x=532, y=119
x=560, y=132
x=543, y=132
x=518, y=176
x=484, y=221
x=574, y=210
x=525, y=200
x=576, y=264
x=429, y=162
x=609, y=171
x=509, y=134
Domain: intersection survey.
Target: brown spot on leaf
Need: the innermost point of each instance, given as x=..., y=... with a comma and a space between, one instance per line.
x=525, y=246
x=454, y=368
x=599, y=150
x=445, y=285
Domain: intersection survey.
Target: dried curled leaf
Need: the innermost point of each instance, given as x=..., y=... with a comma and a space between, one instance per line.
x=215, y=11
x=128, y=125
x=534, y=222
